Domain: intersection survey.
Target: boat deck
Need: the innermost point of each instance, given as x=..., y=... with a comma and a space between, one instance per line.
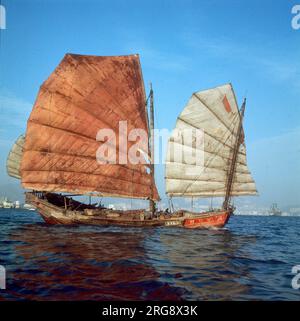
x=59, y=209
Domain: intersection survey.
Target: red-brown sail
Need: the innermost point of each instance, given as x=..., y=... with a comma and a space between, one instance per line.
x=83, y=95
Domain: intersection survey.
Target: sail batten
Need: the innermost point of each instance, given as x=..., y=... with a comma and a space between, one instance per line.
x=80, y=136
x=53, y=157
x=90, y=112
x=215, y=112
x=224, y=155
x=240, y=170
x=60, y=173
x=208, y=134
x=87, y=190
x=83, y=95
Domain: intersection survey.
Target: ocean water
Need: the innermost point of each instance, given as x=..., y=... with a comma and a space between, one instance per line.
x=250, y=259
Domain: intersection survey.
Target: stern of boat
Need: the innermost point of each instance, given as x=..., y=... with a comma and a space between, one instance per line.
x=216, y=219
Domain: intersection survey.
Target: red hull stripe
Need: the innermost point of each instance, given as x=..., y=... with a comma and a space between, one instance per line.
x=215, y=220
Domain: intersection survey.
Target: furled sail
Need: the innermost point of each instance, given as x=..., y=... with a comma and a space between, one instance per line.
x=13, y=161
x=214, y=115
x=82, y=96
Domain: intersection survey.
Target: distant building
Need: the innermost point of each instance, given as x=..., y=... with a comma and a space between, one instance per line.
x=7, y=204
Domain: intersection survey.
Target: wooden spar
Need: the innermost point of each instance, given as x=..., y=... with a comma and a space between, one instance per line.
x=152, y=203
x=65, y=202
x=231, y=171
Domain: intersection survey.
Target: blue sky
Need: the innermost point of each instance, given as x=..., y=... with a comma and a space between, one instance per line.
x=184, y=46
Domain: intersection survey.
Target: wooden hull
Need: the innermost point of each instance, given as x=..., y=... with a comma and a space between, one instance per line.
x=53, y=214
x=208, y=220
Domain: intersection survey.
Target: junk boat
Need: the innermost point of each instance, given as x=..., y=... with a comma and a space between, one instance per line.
x=64, y=153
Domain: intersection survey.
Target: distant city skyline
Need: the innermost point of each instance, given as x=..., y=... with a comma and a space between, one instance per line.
x=184, y=46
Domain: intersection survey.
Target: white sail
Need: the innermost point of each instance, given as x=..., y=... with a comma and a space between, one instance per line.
x=215, y=113
x=14, y=158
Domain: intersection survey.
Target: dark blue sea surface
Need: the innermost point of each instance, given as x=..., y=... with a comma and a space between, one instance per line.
x=251, y=259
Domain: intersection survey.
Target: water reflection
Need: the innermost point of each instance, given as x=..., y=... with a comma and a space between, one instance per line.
x=205, y=262
x=252, y=259
x=83, y=263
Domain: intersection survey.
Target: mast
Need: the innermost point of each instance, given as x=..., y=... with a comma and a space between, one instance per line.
x=234, y=159
x=151, y=202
